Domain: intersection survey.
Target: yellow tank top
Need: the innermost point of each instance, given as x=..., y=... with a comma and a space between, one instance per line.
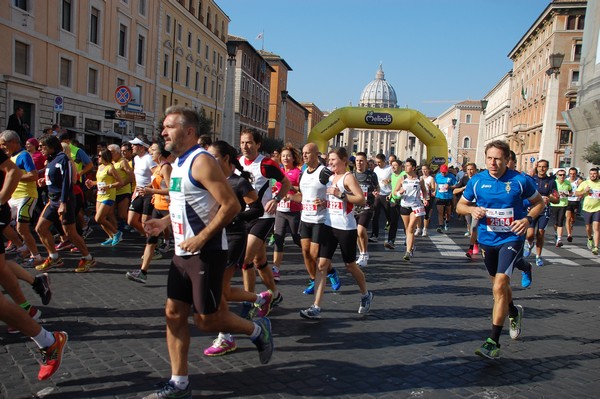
x=24, y=189
x=103, y=179
x=126, y=189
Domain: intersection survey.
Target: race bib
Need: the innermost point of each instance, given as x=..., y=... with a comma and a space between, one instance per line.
x=101, y=187
x=284, y=206
x=335, y=206
x=499, y=220
x=177, y=224
x=419, y=210
x=595, y=194
x=443, y=188
x=309, y=208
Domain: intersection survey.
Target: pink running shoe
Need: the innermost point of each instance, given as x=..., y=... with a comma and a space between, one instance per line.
x=221, y=346
x=475, y=249
x=264, y=309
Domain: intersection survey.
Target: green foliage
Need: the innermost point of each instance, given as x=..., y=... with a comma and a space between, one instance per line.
x=269, y=145
x=592, y=153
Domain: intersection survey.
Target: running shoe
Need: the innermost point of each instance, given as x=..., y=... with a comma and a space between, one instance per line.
x=469, y=253
x=516, y=323
x=276, y=274
x=406, y=256
x=389, y=245
x=387, y=226
x=264, y=309
x=539, y=261
x=446, y=225
x=417, y=232
x=221, y=346
x=52, y=355
x=32, y=261
x=590, y=243
x=277, y=301
x=74, y=249
x=595, y=251
x=34, y=313
x=109, y=241
x=468, y=234
x=85, y=265
x=424, y=234
x=271, y=241
x=50, y=263
x=526, y=249
x=10, y=249
x=475, y=249
x=439, y=229
x=247, y=310
x=41, y=286
x=362, y=260
x=264, y=341
x=63, y=246
x=527, y=278
x=117, y=238
x=559, y=243
x=569, y=239
x=373, y=239
x=169, y=391
x=313, y=313
x=137, y=276
x=85, y=233
x=365, y=303
x=334, y=279
x=490, y=349
x=310, y=289
x=165, y=247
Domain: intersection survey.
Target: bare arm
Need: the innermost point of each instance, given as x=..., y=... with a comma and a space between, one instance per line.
x=11, y=179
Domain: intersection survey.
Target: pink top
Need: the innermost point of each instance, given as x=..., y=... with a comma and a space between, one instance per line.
x=293, y=176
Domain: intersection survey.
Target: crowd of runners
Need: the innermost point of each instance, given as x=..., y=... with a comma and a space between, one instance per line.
x=215, y=211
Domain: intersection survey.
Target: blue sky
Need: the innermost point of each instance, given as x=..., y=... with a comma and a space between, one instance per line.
x=434, y=52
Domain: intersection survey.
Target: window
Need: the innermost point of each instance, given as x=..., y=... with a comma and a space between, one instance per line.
x=197, y=81
x=206, y=52
x=571, y=22
x=468, y=118
x=168, y=24
x=204, y=85
x=142, y=7
x=577, y=52
x=120, y=82
x=22, y=4
x=199, y=46
x=22, y=58
x=189, y=39
x=466, y=142
x=65, y=72
x=122, y=40
x=566, y=137
x=141, y=49
x=177, y=71
x=92, y=81
x=166, y=66
x=94, y=25
x=179, y=32
x=187, y=76
x=140, y=94
x=575, y=78
x=67, y=20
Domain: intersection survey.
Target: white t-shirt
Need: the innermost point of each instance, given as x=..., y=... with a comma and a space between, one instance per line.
x=384, y=174
x=142, y=169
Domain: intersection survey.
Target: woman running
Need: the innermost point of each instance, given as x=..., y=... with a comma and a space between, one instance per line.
x=107, y=181
x=411, y=188
x=288, y=211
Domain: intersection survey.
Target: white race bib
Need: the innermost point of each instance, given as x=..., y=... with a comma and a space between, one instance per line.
x=284, y=205
x=419, y=210
x=335, y=206
x=101, y=187
x=443, y=188
x=499, y=220
x=309, y=208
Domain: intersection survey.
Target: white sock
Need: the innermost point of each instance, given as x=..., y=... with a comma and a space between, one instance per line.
x=87, y=257
x=259, y=300
x=180, y=381
x=226, y=336
x=256, y=332
x=44, y=339
x=23, y=248
x=54, y=256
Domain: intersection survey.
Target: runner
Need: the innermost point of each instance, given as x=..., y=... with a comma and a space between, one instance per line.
x=591, y=208
x=411, y=189
x=343, y=191
x=558, y=210
x=363, y=214
x=201, y=205
x=574, y=202
x=495, y=198
x=384, y=180
x=430, y=186
x=444, y=184
x=460, y=187
x=141, y=206
x=123, y=193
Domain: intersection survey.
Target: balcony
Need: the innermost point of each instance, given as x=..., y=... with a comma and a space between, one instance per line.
x=519, y=128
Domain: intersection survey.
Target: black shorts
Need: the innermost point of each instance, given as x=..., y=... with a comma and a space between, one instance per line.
x=590, y=217
x=502, y=258
x=558, y=213
x=51, y=212
x=443, y=202
x=122, y=197
x=5, y=218
x=142, y=204
x=332, y=237
x=541, y=221
x=312, y=231
x=236, y=241
x=404, y=211
x=198, y=280
x=156, y=214
x=261, y=228
x=364, y=218
x=573, y=206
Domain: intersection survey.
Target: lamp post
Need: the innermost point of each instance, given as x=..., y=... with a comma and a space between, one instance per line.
x=454, y=145
x=548, y=142
x=479, y=153
x=284, y=96
x=229, y=130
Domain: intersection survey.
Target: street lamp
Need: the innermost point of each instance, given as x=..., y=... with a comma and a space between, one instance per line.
x=549, y=136
x=454, y=143
x=229, y=131
x=284, y=96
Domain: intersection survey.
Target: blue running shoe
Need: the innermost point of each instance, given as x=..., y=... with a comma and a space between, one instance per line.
x=170, y=391
x=526, y=279
x=539, y=261
x=109, y=241
x=264, y=342
x=310, y=289
x=334, y=279
x=117, y=237
x=526, y=249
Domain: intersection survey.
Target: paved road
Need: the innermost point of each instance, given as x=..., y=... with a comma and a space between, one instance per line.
x=427, y=318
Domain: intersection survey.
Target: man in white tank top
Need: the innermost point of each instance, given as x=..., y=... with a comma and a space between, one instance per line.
x=202, y=204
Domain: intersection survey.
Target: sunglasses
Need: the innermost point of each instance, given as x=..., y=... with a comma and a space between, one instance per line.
x=560, y=174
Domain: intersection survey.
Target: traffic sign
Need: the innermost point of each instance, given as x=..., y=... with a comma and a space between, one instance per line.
x=109, y=114
x=130, y=116
x=59, y=104
x=123, y=95
x=532, y=159
x=135, y=107
x=122, y=123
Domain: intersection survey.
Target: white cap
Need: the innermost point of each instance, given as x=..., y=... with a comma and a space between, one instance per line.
x=138, y=142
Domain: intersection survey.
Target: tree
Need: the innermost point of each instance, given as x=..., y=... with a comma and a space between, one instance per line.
x=592, y=153
x=269, y=145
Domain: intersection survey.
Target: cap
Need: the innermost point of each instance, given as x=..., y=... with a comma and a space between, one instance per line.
x=137, y=141
x=444, y=168
x=33, y=142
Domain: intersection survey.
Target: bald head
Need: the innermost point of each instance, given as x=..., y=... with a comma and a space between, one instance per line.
x=310, y=155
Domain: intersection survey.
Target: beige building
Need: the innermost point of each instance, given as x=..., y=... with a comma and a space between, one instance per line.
x=278, y=95
x=539, y=94
x=296, y=122
x=460, y=124
x=495, y=118
x=315, y=115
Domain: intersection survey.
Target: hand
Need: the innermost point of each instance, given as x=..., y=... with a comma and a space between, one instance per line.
x=478, y=212
x=546, y=200
x=271, y=207
x=41, y=182
x=62, y=209
x=89, y=183
x=154, y=227
x=519, y=227
x=192, y=244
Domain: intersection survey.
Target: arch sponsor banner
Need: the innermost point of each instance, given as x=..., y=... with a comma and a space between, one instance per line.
x=383, y=119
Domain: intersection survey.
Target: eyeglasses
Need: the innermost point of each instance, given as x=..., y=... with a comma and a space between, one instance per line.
x=560, y=174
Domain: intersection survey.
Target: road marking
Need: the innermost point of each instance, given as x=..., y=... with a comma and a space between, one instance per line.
x=446, y=246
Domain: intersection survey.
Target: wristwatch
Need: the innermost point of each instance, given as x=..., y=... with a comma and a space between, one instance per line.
x=529, y=219
x=343, y=195
x=277, y=198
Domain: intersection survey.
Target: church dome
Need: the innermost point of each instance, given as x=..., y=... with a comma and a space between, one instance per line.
x=378, y=93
